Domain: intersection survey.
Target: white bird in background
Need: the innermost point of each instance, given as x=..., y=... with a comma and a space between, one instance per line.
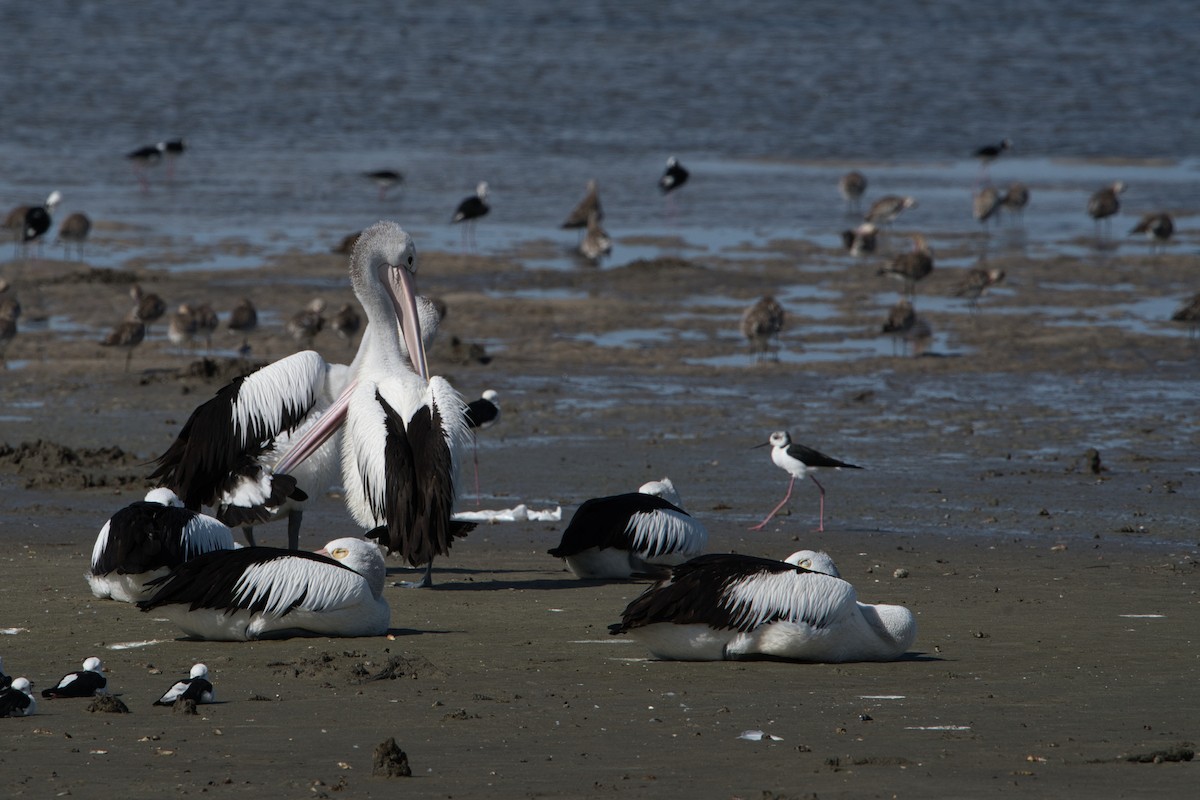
x=400, y=429
x=196, y=687
x=145, y=540
x=17, y=700
x=729, y=606
x=626, y=534
x=272, y=593
x=798, y=461
x=86, y=682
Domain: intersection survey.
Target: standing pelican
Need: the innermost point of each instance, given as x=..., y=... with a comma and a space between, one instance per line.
x=400, y=430
x=727, y=606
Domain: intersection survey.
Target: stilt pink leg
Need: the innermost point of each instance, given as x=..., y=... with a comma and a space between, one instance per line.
x=475, y=458
x=760, y=525
x=821, y=524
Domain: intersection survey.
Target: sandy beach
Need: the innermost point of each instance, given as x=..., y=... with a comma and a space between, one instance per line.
x=1028, y=492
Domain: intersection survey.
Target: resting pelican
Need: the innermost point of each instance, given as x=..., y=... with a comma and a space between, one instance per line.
x=393, y=431
x=625, y=534
x=272, y=593
x=145, y=540
x=728, y=606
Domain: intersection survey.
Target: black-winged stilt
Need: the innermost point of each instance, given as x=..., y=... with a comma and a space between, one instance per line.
x=797, y=461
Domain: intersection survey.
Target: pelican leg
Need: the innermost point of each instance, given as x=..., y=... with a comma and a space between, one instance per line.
x=295, y=516
x=248, y=532
x=426, y=581
x=821, y=524
x=782, y=502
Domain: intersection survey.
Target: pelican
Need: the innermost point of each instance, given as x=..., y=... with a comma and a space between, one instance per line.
x=625, y=534
x=272, y=593
x=16, y=699
x=393, y=431
x=196, y=687
x=87, y=682
x=145, y=540
x=727, y=607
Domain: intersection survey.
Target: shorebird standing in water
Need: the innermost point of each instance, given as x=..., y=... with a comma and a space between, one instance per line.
x=1157, y=227
x=1190, y=314
x=885, y=210
x=385, y=179
x=585, y=208
x=761, y=323
x=913, y=266
x=976, y=283
x=1103, y=204
x=1016, y=198
x=852, y=186
x=469, y=210
x=797, y=461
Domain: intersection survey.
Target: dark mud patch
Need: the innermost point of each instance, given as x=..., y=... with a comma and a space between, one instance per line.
x=49, y=465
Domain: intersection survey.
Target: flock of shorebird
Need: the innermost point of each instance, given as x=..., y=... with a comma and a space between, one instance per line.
x=763, y=321
x=17, y=698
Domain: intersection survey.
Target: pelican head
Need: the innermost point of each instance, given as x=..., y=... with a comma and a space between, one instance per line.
x=814, y=561
x=361, y=556
x=164, y=496
x=22, y=685
x=199, y=671
x=93, y=664
x=385, y=258
x=664, y=489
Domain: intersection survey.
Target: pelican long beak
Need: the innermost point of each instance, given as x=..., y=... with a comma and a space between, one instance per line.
x=318, y=434
x=403, y=292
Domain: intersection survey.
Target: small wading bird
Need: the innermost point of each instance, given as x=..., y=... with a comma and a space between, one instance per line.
x=1104, y=203
x=990, y=152
x=1157, y=227
x=912, y=266
x=480, y=414
x=128, y=334
x=385, y=179
x=729, y=606
x=145, y=540
x=976, y=283
x=394, y=430
x=1190, y=314
x=86, y=682
x=673, y=177
x=1016, y=198
x=585, y=209
x=147, y=306
x=196, y=688
x=271, y=593
x=885, y=210
x=761, y=323
x=797, y=461
x=469, y=210
x=623, y=535
x=74, y=230
x=852, y=186
x=596, y=243
x=243, y=319
x=861, y=240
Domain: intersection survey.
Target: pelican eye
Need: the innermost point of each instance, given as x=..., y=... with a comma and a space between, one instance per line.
x=806, y=563
x=339, y=552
